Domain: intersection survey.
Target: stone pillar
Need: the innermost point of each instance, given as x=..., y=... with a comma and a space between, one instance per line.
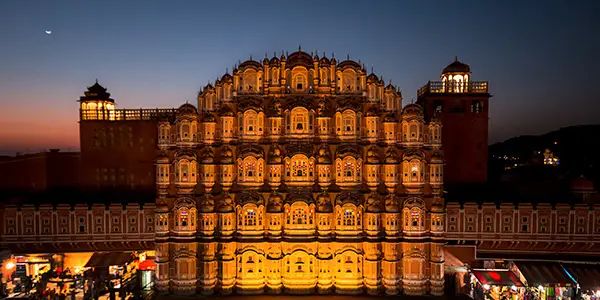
x=161, y=276
x=436, y=265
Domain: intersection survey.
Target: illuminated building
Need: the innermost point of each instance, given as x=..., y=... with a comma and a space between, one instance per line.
x=550, y=158
x=299, y=175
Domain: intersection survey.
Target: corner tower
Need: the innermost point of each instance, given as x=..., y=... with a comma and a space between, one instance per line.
x=462, y=106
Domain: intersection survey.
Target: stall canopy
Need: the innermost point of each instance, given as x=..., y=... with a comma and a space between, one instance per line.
x=107, y=259
x=147, y=264
x=588, y=276
x=544, y=273
x=497, y=277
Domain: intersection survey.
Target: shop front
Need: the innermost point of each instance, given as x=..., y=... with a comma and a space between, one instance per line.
x=545, y=280
x=587, y=277
x=497, y=284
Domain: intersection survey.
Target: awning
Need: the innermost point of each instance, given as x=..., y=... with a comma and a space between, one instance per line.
x=147, y=264
x=107, y=259
x=544, y=273
x=497, y=277
x=588, y=276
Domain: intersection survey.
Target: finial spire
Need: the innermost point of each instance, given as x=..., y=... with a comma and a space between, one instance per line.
x=274, y=53
x=96, y=80
x=347, y=56
x=371, y=69
x=250, y=56
x=299, y=48
x=455, y=58
x=266, y=54
x=226, y=70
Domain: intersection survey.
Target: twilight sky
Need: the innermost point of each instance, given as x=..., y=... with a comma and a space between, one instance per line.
x=540, y=57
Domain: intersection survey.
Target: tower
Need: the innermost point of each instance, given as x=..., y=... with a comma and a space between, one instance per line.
x=96, y=104
x=462, y=107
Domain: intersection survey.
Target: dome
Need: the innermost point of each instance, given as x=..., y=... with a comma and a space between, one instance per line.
x=390, y=87
x=274, y=61
x=373, y=156
x=226, y=111
x=275, y=204
x=187, y=109
x=324, y=61
x=333, y=61
x=412, y=110
x=226, y=155
x=349, y=64
x=316, y=58
x=162, y=209
x=208, y=118
x=391, y=157
x=299, y=58
x=226, y=204
x=265, y=60
x=162, y=159
x=324, y=155
x=582, y=184
x=457, y=67
x=207, y=204
x=373, y=204
x=324, y=203
x=208, y=157
x=274, y=155
x=373, y=111
x=436, y=158
x=391, y=204
x=227, y=78
x=250, y=64
x=372, y=78
x=390, y=118
x=437, y=207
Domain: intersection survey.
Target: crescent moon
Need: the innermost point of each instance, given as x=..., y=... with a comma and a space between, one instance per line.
x=48, y=32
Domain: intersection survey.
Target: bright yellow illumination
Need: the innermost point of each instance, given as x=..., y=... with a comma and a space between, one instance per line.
x=10, y=265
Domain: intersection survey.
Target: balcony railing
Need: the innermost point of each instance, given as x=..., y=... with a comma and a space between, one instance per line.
x=128, y=114
x=439, y=87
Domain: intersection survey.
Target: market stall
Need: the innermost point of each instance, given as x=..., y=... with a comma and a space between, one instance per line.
x=497, y=284
x=545, y=280
x=587, y=277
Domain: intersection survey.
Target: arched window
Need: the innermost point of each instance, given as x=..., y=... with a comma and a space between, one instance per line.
x=300, y=82
x=275, y=76
x=348, y=170
x=349, y=122
x=250, y=169
x=186, y=171
x=249, y=79
x=372, y=91
x=324, y=76
x=300, y=168
x=251, y=122
x=349, y=217
x=250, y=217
x=185, y=132
x=348, y=80
x=300, y=120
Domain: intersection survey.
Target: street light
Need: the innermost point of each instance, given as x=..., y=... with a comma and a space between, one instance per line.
x=10, y=265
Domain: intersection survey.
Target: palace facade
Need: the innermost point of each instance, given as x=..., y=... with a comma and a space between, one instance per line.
x=302, y=175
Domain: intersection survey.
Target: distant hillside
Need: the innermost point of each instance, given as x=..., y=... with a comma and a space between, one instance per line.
x=576, y=146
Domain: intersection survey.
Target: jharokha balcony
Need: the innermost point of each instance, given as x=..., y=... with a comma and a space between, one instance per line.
x=443, y=87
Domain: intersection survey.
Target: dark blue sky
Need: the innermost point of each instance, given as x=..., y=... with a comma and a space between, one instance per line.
x=540, y=57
